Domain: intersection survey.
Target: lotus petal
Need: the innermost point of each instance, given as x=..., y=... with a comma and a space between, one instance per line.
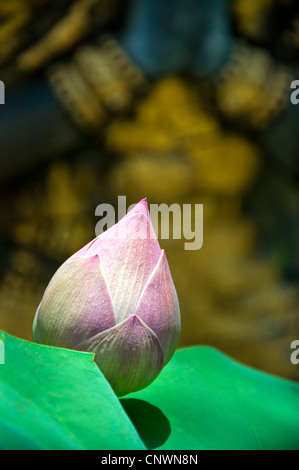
x=129, y=252
x=158, y=308
x=76, y=305
x=118, y=230
x=129, y=355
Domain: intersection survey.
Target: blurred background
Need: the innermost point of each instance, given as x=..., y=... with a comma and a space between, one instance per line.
x=177, y=101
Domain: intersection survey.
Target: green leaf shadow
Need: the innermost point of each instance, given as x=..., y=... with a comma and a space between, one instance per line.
x=151, y=424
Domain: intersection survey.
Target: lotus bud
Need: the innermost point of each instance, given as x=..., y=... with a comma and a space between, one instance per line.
x=115, y=298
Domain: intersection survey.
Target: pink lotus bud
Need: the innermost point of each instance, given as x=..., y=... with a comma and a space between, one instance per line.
x=115, y=298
